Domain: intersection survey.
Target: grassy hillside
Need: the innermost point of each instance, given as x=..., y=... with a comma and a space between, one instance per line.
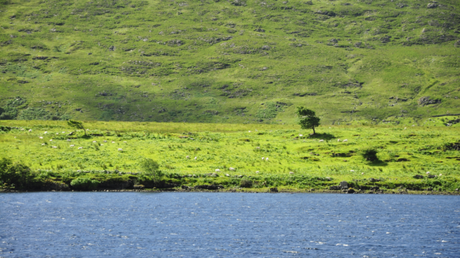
x=239, y=61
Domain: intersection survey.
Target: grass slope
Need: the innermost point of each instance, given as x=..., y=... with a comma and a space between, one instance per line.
x=268, y=155
x=353, y=61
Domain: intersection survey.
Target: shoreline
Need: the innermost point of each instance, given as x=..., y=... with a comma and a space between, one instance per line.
x=265, y=191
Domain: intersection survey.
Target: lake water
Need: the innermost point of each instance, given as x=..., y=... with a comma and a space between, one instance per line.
x=128, y=224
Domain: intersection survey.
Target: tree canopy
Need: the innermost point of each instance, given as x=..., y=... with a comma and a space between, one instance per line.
x=308, y=118
x=76, y=125
x=151, y=168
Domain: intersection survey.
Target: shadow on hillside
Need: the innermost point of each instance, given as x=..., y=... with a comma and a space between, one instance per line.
x=324, y=136
x=378, y=163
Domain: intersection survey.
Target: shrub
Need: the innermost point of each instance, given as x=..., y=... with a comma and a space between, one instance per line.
x=18, y=176
x=151, y=168
x=84, y=184
x=370, y=154
x=246, y=183
x=455, y=146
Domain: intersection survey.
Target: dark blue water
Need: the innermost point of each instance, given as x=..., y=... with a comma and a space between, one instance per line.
x=89, y=224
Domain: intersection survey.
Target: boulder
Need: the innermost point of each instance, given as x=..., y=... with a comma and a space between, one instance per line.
x=427, y=100
x=431, y=5
x=343, y=185
x=350, y=191
x=335, y=187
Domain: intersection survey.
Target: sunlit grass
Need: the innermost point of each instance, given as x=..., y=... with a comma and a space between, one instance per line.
x=269, y=151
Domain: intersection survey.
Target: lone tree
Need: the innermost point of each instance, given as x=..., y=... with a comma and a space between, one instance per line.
x=151, y=168
x=308, y=118
x=76, y=125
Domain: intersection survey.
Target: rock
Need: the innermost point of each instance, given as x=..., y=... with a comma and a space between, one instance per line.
x=265, y=47
x=334, y=41
x=385, y=39
x=184, y=187
x=328, y=13
x=175, y=42
x=335, y=187
x=273, y=190
x=343, y=185
x=432, y=5
x=373, y=180
x=418, y=176
x=238, y=3
x=375, y=188
x=259, y=30
x=427, y=100
x=429, y=189
x=112, y=48
x=350, y=191
x=431, y=176
x=358, y=44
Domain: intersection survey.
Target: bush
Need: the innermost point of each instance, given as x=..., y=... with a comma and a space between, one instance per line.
x=84, y=184
x=246, y=183
x=370, y=155
x=151, y=169
x=455, y=146
x=18, y=176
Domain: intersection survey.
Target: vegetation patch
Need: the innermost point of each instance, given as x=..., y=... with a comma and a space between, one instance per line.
x=55, y=155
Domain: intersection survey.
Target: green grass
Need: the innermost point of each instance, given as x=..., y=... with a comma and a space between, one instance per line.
x=230, y=61
x=194, y=150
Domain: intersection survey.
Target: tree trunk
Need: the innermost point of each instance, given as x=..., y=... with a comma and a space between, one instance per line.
x=313, y=130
